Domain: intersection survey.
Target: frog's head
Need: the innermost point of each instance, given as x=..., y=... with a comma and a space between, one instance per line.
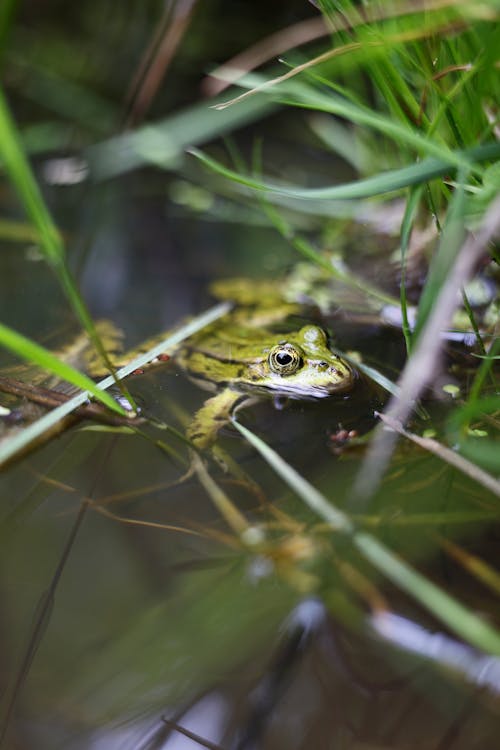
x=303, y=367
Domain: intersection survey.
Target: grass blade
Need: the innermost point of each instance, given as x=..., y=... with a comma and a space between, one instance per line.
x=51, y=244
x=411, y=210
x=444, y=607
x=390, y=181
x=38, y=355
x=23, y=180
x=485, y=451
x=37, y=429
x=422, y=364
x=452, y=238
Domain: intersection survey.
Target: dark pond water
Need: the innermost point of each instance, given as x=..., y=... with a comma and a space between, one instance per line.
x=131, y=609
x=148, y=623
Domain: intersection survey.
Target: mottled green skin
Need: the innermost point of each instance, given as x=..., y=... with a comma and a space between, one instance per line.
x=238, y=358
x=242, y=363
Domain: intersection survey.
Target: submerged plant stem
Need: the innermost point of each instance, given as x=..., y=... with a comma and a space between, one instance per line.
x=443, y=606
x=420, y=367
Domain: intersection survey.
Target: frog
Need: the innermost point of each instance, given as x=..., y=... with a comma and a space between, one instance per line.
x=241, y=359
x=243, y=365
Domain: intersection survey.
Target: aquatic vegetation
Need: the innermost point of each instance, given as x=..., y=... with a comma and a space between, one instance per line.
x=347, y=165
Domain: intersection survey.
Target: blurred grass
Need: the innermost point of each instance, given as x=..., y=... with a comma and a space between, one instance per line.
x=413, y=91
x=410, y=91
x=40, y=356
x=52, y=248
x=379, y=185
x=434, y=112
x=474, y=428
x=431, y=110
x=443, y=606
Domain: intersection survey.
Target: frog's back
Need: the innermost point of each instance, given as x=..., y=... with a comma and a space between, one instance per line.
x=229, y=341
x=248, y=292
x=223, y=354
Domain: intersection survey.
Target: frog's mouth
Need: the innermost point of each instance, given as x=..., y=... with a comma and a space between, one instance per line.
x=310, y=393
x=304, y=391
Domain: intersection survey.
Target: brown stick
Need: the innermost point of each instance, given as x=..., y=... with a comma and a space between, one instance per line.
x=50, y=399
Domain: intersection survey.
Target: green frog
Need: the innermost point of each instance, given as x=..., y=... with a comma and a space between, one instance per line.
x=242, y=364
x=242, y=360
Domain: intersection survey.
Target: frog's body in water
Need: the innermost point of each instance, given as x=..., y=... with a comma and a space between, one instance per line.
x=241, y=360
x=241, y=363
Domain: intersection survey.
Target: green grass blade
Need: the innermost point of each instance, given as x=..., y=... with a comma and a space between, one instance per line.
x=451, y=241
x=484, y=370
x=293, y=93
x=308, y=251
x=38, y=355
x=400, y=133
x=50, y=240
x=9, y=448
x=444, y=607
x=411, y=210
x=20, y=173
x=369, y=187
x=483, y=450
x=377, y=377
x=17, y=231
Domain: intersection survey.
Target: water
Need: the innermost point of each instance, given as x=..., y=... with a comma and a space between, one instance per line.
x=161, y=611
x=131, y=608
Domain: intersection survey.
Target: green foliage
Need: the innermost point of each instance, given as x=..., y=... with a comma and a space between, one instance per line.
x=22, y=178
x=45, y=359
x=444, y=607
x=473, y=428
x=38, y=355
x=427, y=125
x=51, y=245
x=408, y=95
x=379, y=185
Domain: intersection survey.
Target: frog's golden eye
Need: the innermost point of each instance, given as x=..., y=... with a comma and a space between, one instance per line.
x=284, y=359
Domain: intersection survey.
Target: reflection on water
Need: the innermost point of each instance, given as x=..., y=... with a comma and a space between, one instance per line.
x=165, y=620
x=323, y=687
x=163, y=613
x=478, y=669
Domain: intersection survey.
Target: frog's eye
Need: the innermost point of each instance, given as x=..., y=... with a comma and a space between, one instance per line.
x=284, y=359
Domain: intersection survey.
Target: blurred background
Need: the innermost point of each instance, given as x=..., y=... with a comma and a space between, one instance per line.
x=130, y=608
